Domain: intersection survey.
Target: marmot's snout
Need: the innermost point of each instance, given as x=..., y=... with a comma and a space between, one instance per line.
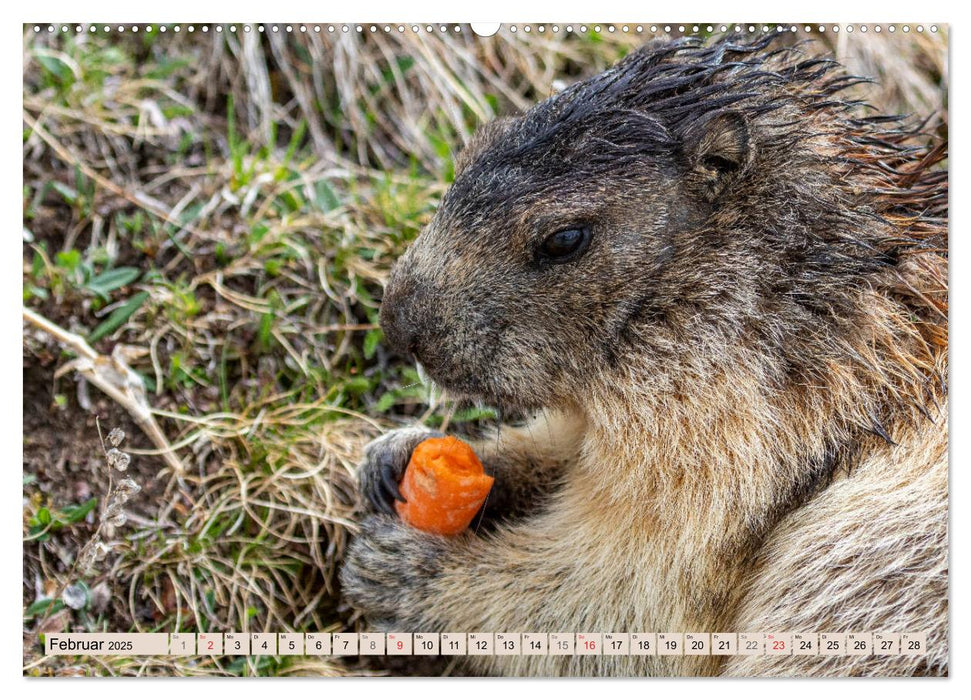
x=397, y=315
x=425, y=322
x=409, y=317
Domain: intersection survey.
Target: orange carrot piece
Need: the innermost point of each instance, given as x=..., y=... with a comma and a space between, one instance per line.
x=444, y=484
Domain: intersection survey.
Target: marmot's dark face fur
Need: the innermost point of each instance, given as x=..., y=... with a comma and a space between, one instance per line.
x=689, y=199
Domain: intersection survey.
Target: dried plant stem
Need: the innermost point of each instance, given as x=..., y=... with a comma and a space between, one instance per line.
x=95, y=538
x=138, y=199
x=113, y=376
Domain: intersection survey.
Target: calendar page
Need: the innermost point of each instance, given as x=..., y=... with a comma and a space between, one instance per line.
x=596, y=349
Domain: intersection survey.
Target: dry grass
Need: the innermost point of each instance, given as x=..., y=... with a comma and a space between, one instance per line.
x=225, y=207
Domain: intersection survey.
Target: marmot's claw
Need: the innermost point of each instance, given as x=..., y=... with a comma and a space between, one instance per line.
x=375, y=487
x=385, y=460
x=389, y=478
x=384, y=485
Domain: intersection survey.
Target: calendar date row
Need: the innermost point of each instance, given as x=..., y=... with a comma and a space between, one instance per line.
x=488, y=644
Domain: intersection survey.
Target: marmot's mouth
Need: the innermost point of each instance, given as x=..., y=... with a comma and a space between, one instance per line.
x=458, y=388
x=466, y=390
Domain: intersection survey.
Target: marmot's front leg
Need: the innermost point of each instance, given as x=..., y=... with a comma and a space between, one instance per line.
x=525, y=461
x=535, y=575
x=388, y=569
x=405, y=579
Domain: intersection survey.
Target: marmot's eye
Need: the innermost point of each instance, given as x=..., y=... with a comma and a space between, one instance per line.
x=566, y=245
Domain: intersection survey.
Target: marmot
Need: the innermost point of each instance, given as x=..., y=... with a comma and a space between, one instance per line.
x=723, y=293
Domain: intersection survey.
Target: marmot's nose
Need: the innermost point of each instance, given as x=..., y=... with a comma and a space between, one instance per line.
x=399, y=314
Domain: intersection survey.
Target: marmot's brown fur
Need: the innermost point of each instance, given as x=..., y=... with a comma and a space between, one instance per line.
x=724, y=292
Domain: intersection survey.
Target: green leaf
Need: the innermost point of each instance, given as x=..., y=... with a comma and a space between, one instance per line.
x=237, y=147
x=34, y=291
x=324, y=196
x=265, y=331
x=76, y=513
x=69, y=194
x=148, y=380
x=223, y=258
x=39, y=607
x=165, y=67
x=118, y=317
x=68, y=259
x=38, y=533
x=55, y=66
x=258, y=231
x=357, y=385
x=291, y=149
x=43, y=517
x=37, y=265
x=371, y=340
x=110, y=280
x=386, y=401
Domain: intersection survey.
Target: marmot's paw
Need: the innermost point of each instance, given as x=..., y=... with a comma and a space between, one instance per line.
x=384, y=465
x=388, y=568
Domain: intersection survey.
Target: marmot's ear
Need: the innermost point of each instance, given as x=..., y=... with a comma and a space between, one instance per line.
x=718, y=149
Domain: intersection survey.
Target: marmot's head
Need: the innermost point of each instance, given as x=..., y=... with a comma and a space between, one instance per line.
x=689, y=201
